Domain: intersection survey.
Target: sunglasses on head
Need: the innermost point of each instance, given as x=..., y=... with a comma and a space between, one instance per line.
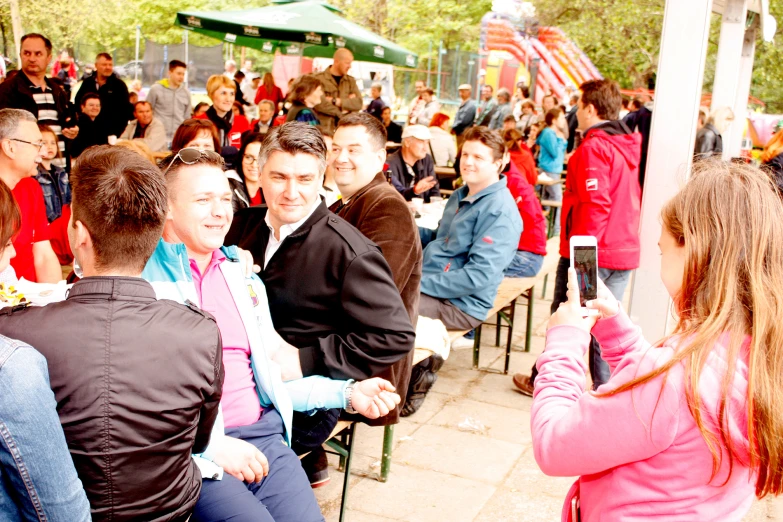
x=190, y=155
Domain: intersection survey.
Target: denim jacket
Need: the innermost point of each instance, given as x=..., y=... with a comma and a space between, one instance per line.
x=168, y=271
x=56, y=190
x=40, y=481
x=476, y=240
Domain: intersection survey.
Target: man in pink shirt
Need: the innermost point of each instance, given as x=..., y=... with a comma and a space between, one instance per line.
x=264, y=480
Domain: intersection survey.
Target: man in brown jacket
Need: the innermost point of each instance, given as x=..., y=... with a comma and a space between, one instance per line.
x=375, y=207
x=341, y=94
x=137, y=381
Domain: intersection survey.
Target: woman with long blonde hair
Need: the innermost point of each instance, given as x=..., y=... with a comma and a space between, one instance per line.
x=688, y=429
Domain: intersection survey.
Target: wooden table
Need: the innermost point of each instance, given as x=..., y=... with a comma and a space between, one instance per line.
x=446, y=172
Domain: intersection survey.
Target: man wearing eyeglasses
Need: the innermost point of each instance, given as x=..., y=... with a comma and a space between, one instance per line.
x=20, y=154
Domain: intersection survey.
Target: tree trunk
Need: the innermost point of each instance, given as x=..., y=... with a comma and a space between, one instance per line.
x=16, y=24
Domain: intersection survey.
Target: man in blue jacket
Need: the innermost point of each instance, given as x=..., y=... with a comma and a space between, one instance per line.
x=475, y=242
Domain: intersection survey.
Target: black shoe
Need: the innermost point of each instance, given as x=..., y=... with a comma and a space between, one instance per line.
x=317, y=468
x=422, y=378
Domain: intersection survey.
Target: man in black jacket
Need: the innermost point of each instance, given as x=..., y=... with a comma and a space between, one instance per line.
x=45, y=98
x=116, y=108
x=331, y=292
x=131, y=423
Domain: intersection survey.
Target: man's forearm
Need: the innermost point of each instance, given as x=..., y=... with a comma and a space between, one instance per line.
x=47, y=268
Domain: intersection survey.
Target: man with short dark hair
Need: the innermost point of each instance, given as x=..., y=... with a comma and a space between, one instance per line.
x=170, y=99
x=116, y=109
x=263, y=478
x=393, y=130
x=379, y=212
x=92, y=129
x=412, y=168
x=602, y=198
x=331, y=292
x=502, y=110
x=486, y=108
x=111, y=345
x=431, y=106
x=376, y=105
x=32, y=91
x=476, y=240
x=20, y=155
x=147, y=127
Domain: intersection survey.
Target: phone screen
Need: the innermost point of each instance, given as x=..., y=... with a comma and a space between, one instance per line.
x=586, y=272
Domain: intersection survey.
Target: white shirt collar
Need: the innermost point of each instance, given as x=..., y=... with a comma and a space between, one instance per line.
x=285, y=230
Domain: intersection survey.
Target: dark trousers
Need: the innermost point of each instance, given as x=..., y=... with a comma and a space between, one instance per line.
x=284, y=495
x=599, y=369
x=309, y=432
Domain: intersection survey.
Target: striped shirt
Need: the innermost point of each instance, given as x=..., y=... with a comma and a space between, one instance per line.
x=47, y=115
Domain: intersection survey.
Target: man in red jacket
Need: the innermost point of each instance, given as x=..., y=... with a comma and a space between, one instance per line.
x=603, y=199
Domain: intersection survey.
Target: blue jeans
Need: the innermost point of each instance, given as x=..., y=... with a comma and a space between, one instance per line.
x=284, y=495
x=615, y=281
x=524, y=264
x=37, y=478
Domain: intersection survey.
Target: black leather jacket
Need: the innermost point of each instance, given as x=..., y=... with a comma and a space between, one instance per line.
x=138, y=382
x=708, y=141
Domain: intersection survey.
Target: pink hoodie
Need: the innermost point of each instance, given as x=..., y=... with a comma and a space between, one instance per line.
x=634, y=465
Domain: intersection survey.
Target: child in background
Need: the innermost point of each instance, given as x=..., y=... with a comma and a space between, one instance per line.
x=53, y=179
x=689, y=428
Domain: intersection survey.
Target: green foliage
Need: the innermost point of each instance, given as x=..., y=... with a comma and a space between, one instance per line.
x=621, y=37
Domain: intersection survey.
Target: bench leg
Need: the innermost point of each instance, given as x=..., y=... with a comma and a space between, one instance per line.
x=497, y=330
x=510, y=334
x=543, y=289
x=529, y=333
x=388, y=440
x=476, y=347
x=344, y=501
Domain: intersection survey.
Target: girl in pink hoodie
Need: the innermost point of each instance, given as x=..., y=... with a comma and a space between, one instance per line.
x=688, y=429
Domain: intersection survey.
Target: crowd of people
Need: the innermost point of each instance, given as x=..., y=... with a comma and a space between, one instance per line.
x=275, y=262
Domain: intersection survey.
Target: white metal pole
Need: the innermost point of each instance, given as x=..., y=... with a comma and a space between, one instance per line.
x=735, y=132
x=724, y=89
x=138, y=39
x=686, y=27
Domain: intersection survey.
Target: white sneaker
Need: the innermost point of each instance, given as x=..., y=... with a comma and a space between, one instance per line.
x=461, y=344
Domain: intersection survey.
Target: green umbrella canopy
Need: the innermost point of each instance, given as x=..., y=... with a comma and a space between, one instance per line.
x=310, y=27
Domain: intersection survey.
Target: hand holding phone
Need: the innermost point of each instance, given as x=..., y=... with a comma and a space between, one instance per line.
x=584, y=260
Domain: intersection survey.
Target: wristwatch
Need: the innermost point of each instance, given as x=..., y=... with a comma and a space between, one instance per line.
x=348, y=396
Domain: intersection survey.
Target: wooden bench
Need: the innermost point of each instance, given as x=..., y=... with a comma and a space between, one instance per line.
x=552, y=216
x=505, y=304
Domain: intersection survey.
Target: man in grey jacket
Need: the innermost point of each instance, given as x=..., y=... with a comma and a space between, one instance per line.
x=465, y=114
x=170, y=99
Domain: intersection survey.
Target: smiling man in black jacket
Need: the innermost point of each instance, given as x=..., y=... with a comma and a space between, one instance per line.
x=331, y=292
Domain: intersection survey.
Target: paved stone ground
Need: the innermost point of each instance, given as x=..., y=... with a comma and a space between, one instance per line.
x=443, y=473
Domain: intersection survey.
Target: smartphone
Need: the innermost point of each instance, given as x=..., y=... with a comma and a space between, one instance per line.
x=584, y=259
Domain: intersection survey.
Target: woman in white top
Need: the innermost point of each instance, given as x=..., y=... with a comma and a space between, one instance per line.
x=444, y=148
